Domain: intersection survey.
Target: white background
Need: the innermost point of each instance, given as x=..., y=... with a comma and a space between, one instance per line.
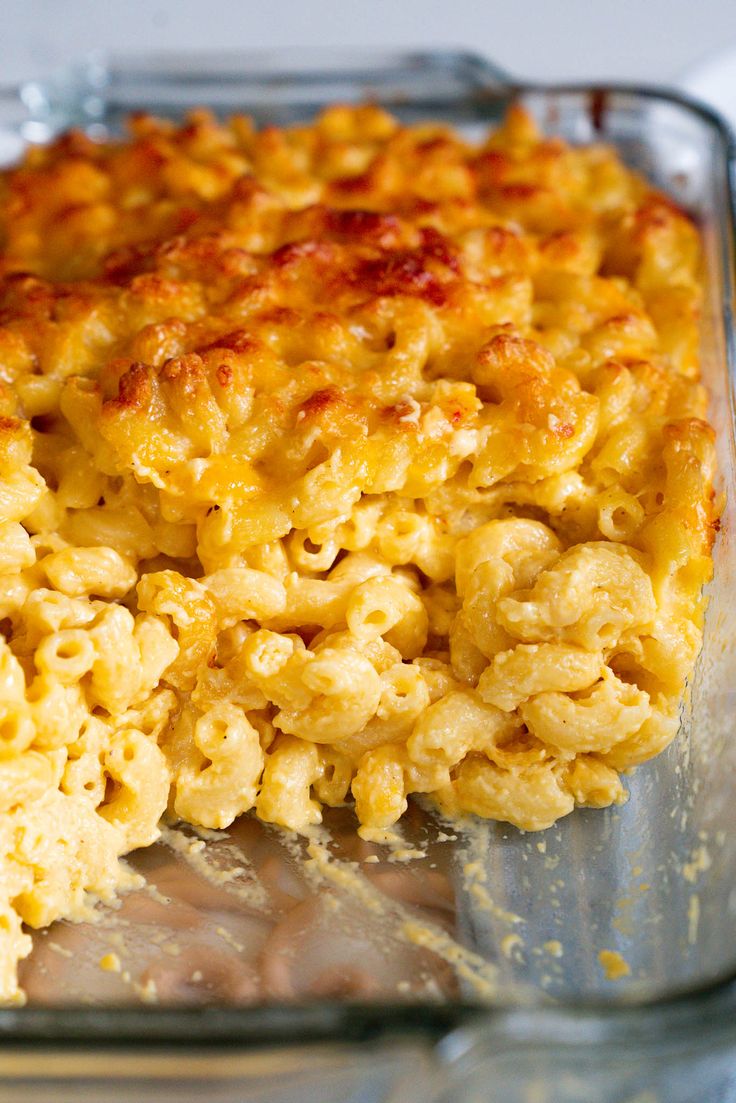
x=643, y=40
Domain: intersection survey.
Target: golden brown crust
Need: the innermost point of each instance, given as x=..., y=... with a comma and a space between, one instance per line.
x=242, y=291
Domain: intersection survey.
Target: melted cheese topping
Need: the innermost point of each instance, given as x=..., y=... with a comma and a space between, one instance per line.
x=344, y=461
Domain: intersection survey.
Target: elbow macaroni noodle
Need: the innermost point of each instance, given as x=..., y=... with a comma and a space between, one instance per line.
x=340, y=462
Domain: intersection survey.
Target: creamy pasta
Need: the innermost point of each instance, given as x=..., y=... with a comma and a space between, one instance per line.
x=338, y=463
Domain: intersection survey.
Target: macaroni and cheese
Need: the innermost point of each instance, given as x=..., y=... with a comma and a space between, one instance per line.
x=339, y=462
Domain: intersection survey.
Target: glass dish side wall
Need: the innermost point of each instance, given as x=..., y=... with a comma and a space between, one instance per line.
x=676, y=834
x=653, y=880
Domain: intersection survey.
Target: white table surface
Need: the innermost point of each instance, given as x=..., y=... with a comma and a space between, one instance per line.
x=642, y=40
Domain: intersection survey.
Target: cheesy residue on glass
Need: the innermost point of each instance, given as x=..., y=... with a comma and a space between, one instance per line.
x=339, y=462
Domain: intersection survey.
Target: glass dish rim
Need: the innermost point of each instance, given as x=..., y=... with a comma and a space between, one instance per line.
x=210, y=1027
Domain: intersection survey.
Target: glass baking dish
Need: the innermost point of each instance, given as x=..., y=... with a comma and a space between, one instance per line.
x=505, y=999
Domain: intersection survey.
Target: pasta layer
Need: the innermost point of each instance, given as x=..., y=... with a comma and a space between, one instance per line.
x=339, y=462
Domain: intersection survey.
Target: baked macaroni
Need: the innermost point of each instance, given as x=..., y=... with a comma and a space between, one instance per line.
x=339, y=462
